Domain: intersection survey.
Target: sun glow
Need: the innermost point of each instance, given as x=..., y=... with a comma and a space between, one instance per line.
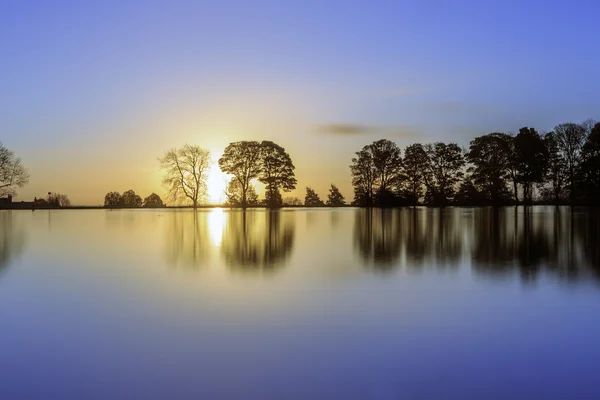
x=216, y=184
x=216, y=224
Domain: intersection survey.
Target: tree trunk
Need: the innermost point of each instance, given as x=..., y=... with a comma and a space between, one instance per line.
x=244, y=198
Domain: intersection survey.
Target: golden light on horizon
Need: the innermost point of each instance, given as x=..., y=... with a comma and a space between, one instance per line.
x=216, y=184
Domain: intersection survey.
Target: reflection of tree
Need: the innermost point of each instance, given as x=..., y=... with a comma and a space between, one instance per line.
x=257, y=241
x=12, y=239
x=587, y=231
x=425, y=235
x=531, y=241
x=493, y=240
x=188, y=239
x=377, y=236
x=444, y=237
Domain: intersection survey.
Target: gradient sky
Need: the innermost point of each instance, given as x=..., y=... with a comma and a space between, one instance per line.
x=91, y=92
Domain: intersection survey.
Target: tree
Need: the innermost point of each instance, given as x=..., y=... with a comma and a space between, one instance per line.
x=570, y=138
x=387, y=161
x=277, y=172
x=468, y=194
x=590, y=166
x=490, y=157
x=513, y=170
x=153, y=201
x=112, y=199
x=243, y=161
x=292, y=201
x=363, y=177
x=233, y=193
x=415, y=161
x=58, y=200
x=13, y=174
x=531, y=160
x=186, y=171
x=442, y=171
x=377, y=167
x=556, y=172
x=335, y=197
x=312, y=199
x=130, y=199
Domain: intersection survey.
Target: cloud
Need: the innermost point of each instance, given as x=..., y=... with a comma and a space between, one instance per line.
x=348, y=130
x=344, y=129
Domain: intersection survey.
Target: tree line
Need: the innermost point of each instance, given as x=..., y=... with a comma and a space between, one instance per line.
x=130, y=199
x=558, y=167
x=563, y=166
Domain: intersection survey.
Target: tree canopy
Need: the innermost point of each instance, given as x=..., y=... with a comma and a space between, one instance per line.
x=153, y=201
x=335, y=197
x=312, y=199
x=242, y=160
x=13, y=174
x=277, y=172
x=112, y=199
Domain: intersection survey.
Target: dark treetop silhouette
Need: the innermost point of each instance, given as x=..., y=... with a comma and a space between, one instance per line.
x=13, y=174
x=551, y=168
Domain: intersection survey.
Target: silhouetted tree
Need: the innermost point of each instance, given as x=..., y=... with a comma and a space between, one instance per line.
x=557, y=170
x=153, y=201
x=112, y=199
x=312, y=199
x=376, y=167
x=469, y=195
x=387, y=161
x=58, y=200
x=531, y=160
x=513, y=167
x=570, y=138
x=277, y=172
x=335, y=197
x=242, y=160
x=13, y=174
x=186, y=171
x=234, y=194
x=292, y=201
x=590, y=166
x=415, y=160
x=442, y=171
x=490, y=158
x=130, y=199
x=363, y=177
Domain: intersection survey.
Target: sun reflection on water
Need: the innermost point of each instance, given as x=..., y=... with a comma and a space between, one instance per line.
x=216, y=225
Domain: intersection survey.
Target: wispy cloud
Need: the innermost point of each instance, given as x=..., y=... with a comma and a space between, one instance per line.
x=348, y=130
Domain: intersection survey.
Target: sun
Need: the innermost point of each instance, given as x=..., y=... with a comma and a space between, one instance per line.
x=216, y=184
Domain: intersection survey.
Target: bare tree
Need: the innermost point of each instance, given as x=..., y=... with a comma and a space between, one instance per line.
x=570, y=138
x=13, y=174
x=186, y=172
x=58, y=200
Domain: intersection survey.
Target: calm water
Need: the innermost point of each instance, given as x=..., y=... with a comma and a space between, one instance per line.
x=348, y=303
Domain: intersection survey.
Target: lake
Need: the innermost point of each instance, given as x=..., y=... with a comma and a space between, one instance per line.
x=300, y=303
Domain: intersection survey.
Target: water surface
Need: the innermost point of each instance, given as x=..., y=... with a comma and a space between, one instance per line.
x=304, y=303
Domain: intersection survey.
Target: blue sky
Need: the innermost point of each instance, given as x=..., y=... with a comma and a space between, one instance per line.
x=92, y=92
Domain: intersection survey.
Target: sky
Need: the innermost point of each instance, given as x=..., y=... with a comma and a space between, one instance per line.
x=92, y=92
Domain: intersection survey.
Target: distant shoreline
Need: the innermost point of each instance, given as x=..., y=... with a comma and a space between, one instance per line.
x=206, y=206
